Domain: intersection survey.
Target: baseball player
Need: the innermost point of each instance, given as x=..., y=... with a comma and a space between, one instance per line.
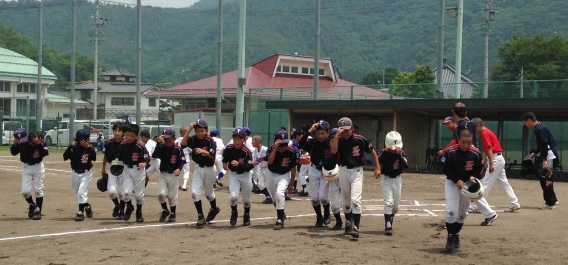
x=351, y=149
x=459, y=112
x=330, y=162
x=393, y=162
x=260, y=170
x=546, y=146
x=150, y=147
x=114, y=183
x=248, y=144
x=238, y=159
x=187, y=153
x=81, y=155
x=204, y=151
x=135, y=158
x=32, y=149
x=461, y=162
x=496, y=170
x=282, y=162
x=218, y=156
x=318, y=185
x=451, y=125
x=172, y=160
x=302, y=169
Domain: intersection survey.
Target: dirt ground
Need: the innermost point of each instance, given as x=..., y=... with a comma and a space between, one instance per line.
x=528, y=236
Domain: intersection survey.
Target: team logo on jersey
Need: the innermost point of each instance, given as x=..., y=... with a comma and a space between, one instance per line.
x=173, y=159
x=85, y=158
x=135, y=157
x=396, y=164
x=356, y=151
x=285, y=162
x=36, y=153
x=469, y=165
x=241, y=160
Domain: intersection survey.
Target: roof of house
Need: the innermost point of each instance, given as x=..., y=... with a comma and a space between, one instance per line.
x=59, y=99
x=260, y=76
x=114, y=87
x=449, y=82
x=15, y=64
x=118, y=72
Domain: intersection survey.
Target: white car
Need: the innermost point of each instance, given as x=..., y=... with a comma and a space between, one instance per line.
x=8, y=129
x=60, y=135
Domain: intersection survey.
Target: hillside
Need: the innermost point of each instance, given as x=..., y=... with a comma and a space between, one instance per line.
x=360, y=35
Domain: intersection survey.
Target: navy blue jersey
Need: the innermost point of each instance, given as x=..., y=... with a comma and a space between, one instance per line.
x=132, y=154
x=544, y=141
x=315, y=148
x=392, y=165
x=283, y=162
x=460, y=165
x=242, y=155
x=29, y=153
x=351, y=152
x=171, y=158
x=81, y=158
x=207, y=144
x=466, y=124
x=111, y=149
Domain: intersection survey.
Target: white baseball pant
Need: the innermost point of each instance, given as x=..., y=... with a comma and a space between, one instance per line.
x=240, y=183
x=154, y=168
x=457, y=203
x=277, y=186
x=203, y=178
x=335, y=196
x=260, y=174
x=168, y=184
x=114, y=184
x=219, y=165
x=500, y=176
x=319, y=187
x=351, y=184
x=186, y=169
x=303, y=174
x=134, y=179
x=33, y=174
x=392, y=191
x=80, y=183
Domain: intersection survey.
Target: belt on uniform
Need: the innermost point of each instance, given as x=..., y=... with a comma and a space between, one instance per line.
x=238, y=173
x=81, y=171
x=30, y=164
x=131, y=166
x=498, y=154
x=349, y=167
x=202, y=166
x=316, y=166
x=167, y=171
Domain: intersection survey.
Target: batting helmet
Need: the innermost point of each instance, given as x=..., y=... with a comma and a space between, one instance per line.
x=331, y=175
x=393, y=140
x=473, y=189
x=102, y=183
x=116, y=168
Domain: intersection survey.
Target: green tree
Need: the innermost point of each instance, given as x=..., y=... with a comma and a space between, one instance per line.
x=375, y=78
x=415, y=85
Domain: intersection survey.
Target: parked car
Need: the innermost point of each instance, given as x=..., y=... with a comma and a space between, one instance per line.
x=8, y=128
x=60, y=135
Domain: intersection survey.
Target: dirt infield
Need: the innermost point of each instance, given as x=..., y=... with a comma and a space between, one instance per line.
x=528, y=236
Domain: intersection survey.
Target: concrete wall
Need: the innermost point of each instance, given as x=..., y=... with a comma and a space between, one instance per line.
x=414, y=129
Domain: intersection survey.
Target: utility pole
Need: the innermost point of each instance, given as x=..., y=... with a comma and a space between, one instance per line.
x=441, y=26
x=457, y=89
x=317, y=52
x=139, y=61
x=240, y=111
x=39, y=105
x=522, y=81
x=99, y=21
x=490, y=13
x=219, y=100
x=74, y=50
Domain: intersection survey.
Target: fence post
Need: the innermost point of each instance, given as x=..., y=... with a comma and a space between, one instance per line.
x=535, y=90
x=352, y=92
x=281, y=94
x=390, y=91
x=268, y=133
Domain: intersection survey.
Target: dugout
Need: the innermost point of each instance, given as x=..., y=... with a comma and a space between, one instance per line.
x=419, y=121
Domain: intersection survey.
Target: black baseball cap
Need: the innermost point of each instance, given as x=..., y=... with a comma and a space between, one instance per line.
x=169, y=133
x=201, y=123
x=282, y=136
x=82, y=134
x=239, y=131
x=323, y=125
x=20, y=133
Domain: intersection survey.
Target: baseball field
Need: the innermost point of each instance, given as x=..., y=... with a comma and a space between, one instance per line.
x=529, y=236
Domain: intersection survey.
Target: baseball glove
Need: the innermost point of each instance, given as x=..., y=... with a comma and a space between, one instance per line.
x=306, y=160
x=546, y=173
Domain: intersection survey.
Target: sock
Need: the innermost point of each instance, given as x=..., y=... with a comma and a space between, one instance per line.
x=220, y=176
x=115, y=200
x=247, y=210
x=303, y=188
x=198, y=207
x=30, y=200
x=234, y=208
x=121, y=205
x=338, y=218
x=326, y=211
x=450, y=228
x=280, y=215
x=82, y=207
x=129, y=203
x=39, y=202
x=348, y=217
x=295, y=183
x=252, y=180
x=173, y=209
x=139, y=208
x=388, y=221
x=317, y=209
x=356, y=219
x=458, y=228
x=164, y=206
x=265, y=192
x=213, y=203
x=307, y=179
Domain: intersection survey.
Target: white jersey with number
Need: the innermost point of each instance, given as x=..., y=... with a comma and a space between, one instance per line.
x=150, y=146
x=220, y=146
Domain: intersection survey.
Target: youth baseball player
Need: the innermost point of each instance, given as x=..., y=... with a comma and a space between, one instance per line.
x=302, y=173
x=150, y=147
x=351, y=149
x=282, y=162
x=172, y=160
x=135, y=158
x=393, y=162
x=248, y=144
x=496, y=170
x=114, y=183
x=204, y=150
x=238, y=159
x=187, y=153
x=81, y=155
x=218, y=156
x=32, y=149
x=546, y=146
x=451, y=125
x=260, y=170
x=319, y=187
x=330, y=163
x=461, y=162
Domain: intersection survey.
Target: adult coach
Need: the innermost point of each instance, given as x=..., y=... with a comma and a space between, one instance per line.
x=496, y=169
x=546, y=146
x=450, y=123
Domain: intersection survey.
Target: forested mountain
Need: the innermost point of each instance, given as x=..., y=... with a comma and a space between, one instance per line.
x=360, y=35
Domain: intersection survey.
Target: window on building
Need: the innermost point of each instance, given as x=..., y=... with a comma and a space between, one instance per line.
x=5, y=105
x=33, y=88
x=22, y=107
x=294, y=69
x=305, y=70
x=322, y=71
x=152, y=102
x=311, y=71
x=279, y=69
x=194, y=104
x=4, y=86
x=122, y=101
x=26, y=88
x=85, y=94
x=20, y=88
x=286, y=69
x=65, y=115
x=113, y=78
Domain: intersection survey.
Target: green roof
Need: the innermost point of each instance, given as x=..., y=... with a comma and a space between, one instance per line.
x=53, y=98
x=15, y=64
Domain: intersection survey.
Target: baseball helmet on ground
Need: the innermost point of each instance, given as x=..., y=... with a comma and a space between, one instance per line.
x=331, y=175
x=393, y=140
x=116, y=168
x=102, y=183
x=473, y=189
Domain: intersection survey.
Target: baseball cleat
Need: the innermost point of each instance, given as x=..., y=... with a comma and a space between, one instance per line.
x=489, y=220
x=37, y=214
x=267, y=201
x=31, y=210
x=80, y=216
x=89, y=211
x=218, y=183
x=285, y=217
x=512, y=209
x=457, y=241
x=234, y=216
x=294, y=191
x=139, y=217
x=557, y=202
x=164, y=214
x=388, y=231
x=319, y=222
x=303, y=194
x=115, y=211
x=200, y=220
x=287, y=198
x=128, y=212
x=347, y=227
x=354, y=232
x=246, y=219
x=212, y=213
x=120, y=215
x=338, y=225
x=547, y=207
x=326, y=218
x=473, y=209
x=184, y=188
x=443, y=224
x=279, y=225
x=450, y=243
x=172, y=218
x=255, y=189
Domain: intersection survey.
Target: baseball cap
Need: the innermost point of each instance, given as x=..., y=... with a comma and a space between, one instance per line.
x=20, y=133
x=333, y=131
x=201, y=123
x=82, y=134
x=323, y=125
x=247, y=130
x=169, y=133
x=449, y=119
x=239, y=131
x=214, y=132
x=282, y=136
x=345, y=122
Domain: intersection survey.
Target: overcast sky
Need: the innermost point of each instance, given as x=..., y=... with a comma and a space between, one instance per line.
x=161, y=3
